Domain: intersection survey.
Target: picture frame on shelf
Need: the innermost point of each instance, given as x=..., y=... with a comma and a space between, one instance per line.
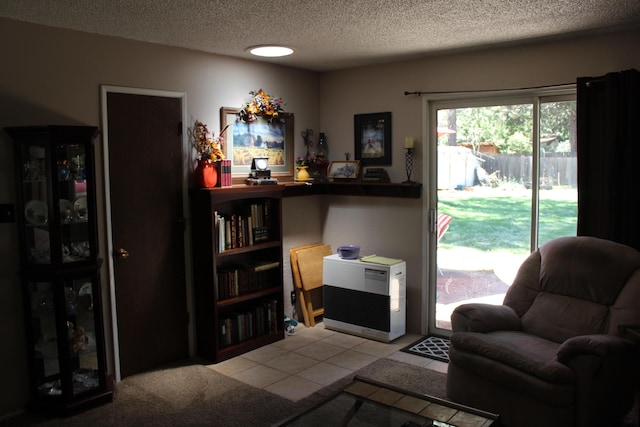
x=343, y=170
x=372, y=134
x=245, y=141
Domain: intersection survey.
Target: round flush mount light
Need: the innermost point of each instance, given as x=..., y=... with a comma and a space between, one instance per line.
x=270, y=51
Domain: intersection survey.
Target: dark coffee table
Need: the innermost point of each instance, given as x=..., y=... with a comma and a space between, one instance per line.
x=368, y=403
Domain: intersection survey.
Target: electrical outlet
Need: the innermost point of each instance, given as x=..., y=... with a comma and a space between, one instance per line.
x=293, y=297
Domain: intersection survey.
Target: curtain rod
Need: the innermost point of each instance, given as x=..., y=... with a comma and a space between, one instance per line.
x=419, y=92
x=596, y=80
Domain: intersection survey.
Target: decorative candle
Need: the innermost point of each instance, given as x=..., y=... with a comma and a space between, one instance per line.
x=408, y=142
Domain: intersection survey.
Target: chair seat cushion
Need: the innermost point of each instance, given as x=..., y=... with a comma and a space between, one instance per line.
x=528, y=353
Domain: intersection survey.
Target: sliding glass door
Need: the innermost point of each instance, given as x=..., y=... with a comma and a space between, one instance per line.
x=505, y=182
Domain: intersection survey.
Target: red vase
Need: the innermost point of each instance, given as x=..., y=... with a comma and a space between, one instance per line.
x=206, y=174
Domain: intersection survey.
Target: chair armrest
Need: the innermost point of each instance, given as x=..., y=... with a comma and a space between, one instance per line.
x=599, y=345
x=606, y=372
x=478, y=317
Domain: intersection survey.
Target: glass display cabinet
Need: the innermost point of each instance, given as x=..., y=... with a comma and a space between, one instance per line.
x=57, y=230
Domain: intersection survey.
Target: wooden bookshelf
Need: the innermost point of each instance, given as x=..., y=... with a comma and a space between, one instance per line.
x=237, y=272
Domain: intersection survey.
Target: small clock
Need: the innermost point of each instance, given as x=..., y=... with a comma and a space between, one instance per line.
x=260, y=167
x=260, y=163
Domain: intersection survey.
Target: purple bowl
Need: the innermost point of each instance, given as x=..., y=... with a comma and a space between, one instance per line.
x=349, y=252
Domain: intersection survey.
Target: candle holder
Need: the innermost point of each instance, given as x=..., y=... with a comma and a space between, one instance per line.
x=408, y=157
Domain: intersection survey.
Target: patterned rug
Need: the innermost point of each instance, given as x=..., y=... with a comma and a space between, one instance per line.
x=432, y=347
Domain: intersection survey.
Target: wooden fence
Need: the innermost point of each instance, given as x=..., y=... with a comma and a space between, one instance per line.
x=516, y=168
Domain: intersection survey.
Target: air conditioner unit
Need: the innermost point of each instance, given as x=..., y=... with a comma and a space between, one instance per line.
x=364, y=299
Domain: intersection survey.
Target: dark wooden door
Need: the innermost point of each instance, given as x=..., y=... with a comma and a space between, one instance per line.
x=145, y=175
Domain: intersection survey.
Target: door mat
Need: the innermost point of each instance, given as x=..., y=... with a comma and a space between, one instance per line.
x=433, y=347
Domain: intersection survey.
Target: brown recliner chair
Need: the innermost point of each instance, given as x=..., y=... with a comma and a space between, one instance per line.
x=556, y=352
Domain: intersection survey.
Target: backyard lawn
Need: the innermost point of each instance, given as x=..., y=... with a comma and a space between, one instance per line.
x=490, y=219
x=490, y=227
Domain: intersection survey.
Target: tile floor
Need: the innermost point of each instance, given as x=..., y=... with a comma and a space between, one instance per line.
x=313, y=358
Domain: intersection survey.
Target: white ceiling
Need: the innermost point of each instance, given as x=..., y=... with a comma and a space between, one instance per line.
x=331, y=34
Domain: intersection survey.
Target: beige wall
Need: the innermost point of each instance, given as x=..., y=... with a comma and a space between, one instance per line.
x=53, y=76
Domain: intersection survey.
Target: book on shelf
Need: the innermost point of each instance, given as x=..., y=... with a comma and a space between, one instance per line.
x=241, y=280
x=266, y=266
x=261, y=234
x=225, y=332
x=234, y=231
x=218, y=166
x=258, y=319
x=240, y=229
x=227, y=239
x=224, y=173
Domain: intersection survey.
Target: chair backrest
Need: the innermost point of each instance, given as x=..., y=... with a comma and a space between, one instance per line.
x=306, y=265
x=443, y=224
x=577, y=286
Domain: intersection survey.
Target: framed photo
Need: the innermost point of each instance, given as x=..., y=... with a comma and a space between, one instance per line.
x=244, y=141
x=343, y=169
x=373, y=138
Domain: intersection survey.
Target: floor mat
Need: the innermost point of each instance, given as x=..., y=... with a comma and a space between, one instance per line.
x=432, y=347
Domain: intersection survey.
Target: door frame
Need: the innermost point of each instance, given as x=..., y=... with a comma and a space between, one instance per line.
x=430, y=104
x=104, y=91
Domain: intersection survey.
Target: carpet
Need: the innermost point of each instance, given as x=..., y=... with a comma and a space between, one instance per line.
x=432, y=347
x=190, y=394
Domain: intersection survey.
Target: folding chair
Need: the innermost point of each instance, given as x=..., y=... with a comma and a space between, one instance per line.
x=443, y=225
x=306, y=266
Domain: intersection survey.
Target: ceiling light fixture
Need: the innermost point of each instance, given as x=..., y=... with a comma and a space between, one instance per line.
x=270, y=51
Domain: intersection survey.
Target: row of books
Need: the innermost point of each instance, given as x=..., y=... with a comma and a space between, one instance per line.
x=237, y=231
x=224, y=173
x=261, y=214
x=233, y=282
x=260, y=319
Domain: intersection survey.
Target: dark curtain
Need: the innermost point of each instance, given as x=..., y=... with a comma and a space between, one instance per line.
x=608, y=116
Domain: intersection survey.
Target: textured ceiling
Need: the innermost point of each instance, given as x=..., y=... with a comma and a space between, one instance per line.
x=331, y=34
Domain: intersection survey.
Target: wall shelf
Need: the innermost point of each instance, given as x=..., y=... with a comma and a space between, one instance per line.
x=354, y=188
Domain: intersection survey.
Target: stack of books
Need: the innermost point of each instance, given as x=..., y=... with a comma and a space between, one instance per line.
x=224, y=173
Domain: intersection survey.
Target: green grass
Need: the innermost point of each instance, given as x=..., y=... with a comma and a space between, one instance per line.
x=495, y=220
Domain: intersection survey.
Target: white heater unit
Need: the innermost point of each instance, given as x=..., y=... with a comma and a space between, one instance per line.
x=364, y=299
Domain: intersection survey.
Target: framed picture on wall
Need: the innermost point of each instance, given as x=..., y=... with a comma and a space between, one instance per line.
x=373, y=138
x=244, y=141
